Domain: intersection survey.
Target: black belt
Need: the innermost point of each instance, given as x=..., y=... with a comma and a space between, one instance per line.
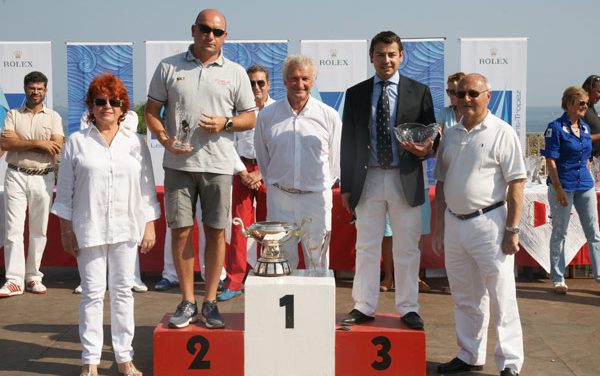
x=251, y=161
x=31, y=171
x=478, y=212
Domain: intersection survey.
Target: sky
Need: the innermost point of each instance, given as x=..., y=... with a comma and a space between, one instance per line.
x=562, y=46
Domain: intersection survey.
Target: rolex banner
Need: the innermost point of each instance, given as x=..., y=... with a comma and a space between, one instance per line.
x=340, y=65
x=268, y=53
x=85, y=61
x=504, y=62
x=16, y=60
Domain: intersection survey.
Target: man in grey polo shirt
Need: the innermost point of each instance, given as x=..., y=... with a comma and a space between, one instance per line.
x=207, y=89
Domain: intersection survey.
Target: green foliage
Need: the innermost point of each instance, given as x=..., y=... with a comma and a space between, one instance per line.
x=139, y=110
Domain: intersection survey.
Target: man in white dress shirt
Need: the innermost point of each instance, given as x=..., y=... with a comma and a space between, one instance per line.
x=297, y=142
x=248, y=188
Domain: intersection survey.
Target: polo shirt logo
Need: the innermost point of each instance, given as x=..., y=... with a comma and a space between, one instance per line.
x=180, y=78
x=222, y=82
x=548, y=132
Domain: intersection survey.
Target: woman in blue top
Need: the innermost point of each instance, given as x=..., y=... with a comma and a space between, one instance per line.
x=449, y=116
x=568, y=150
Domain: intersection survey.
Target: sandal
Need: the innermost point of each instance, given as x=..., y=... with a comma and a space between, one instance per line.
x=89, y=370
x=128, y=369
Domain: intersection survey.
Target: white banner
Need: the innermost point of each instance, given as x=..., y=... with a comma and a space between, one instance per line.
x=504, y=62
x=340, y=63
x=16, y=60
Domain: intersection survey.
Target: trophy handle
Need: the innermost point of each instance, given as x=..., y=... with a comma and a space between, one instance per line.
x=238, y=221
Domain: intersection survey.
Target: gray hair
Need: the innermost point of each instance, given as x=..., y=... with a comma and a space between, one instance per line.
x=294, y=61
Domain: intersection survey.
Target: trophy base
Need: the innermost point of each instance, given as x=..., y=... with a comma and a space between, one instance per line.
x=272, y=268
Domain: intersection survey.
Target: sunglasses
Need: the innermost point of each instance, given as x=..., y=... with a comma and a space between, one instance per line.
x=101, y=102
x=451, y=92
x=582, y=103
x=205, y=29
x=471, y=93
x=260, y=83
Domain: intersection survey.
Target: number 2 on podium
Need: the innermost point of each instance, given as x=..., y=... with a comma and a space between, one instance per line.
x=287, y=301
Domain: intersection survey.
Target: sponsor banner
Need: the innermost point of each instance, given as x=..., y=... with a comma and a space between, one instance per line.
x=424, y=62
x=16, y=60
x=340, y=65
x=269, y=53
x=85, y=61
x=504, y=62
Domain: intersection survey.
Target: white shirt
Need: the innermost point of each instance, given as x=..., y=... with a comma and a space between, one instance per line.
x=298, y=151
x=477, y=166
x=107, y=192
x=244, y=141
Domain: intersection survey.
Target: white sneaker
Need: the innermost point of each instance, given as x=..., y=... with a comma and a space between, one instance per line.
x=139, y=287
x=560, y=288
x=78, y=290
x=10, y=289
x=36, y=287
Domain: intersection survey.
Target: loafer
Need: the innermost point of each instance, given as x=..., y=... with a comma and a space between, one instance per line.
x=457, y=366
x=210, y=315
x=413, y=320
x=139, y=286
x=228, y=294
x=356, y=317
x=186, y=313
x=164, y=285
x=509, y=372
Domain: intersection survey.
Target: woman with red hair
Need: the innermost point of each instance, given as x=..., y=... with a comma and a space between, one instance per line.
x=106, y=202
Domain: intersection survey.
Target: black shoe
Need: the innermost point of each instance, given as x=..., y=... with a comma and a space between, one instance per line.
x=413, y=320
x=457, y=366
x=211, y=316
x=509, y=372
x=356, y=317
x=186, y=313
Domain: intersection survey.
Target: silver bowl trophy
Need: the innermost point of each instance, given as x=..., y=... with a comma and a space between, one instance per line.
x=186, y=125
x=417, y=133
x=271, y=235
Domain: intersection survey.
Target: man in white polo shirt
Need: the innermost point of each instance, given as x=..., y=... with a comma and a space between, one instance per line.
x=33, y=136
x=479, y=168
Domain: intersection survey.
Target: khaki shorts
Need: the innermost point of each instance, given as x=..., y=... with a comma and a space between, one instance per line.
x=182, y=189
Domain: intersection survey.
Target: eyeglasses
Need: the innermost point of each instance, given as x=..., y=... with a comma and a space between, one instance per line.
x=471, y=93
x=582, y=103
x=451, y=92
x=32, y=89
x=260, y=83
x=101, y=102
x=205, y=29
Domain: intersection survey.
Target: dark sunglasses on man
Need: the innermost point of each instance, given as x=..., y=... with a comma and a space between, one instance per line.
x=205, y=29
x=260, y=83
x=471, y=93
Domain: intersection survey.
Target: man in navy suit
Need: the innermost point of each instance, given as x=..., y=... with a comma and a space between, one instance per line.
x=379, y=175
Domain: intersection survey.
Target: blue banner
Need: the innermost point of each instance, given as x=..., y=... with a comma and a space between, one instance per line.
x=84, y=63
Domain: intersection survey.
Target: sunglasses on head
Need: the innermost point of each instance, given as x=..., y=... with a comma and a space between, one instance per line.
x=451, y=92
x=471, y=93
x=205, y=29
x=101, y=102
x=260, y=83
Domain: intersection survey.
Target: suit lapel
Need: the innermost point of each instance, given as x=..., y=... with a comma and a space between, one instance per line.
x=365, y=110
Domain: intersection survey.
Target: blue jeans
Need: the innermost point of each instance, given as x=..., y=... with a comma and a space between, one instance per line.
x=585, y=204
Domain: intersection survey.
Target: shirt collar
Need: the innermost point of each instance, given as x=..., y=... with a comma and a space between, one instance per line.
x=92, y=128
x=307, y=107
x=189, y=56
x=395, y=79
x=483, y=125
x=26, y=109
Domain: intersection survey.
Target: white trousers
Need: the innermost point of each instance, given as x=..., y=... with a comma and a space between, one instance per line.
x=480, y=276
x=382, y=193
x=293, y=208
x=93, y=263
x=24, y=192
x=169, y=271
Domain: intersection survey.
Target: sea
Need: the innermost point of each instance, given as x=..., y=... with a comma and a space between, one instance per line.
x=539, y=117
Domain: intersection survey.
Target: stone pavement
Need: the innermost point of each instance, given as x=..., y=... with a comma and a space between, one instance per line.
x=39, y=333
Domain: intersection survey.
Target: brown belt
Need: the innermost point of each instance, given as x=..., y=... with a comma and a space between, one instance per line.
x=250, y=161
x=31, y=171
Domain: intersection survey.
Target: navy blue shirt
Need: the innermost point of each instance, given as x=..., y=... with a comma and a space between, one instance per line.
x=571, y=153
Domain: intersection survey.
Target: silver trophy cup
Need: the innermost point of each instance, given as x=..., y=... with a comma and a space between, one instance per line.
x=271, y=235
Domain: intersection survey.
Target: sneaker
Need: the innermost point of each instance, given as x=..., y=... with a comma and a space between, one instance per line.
x=560, y=288
x=186, y=313
x=78, y=290
x=211, y=316
x=10, y=289
x=139, y=287
x=228, y=294
x=164, y=285
x=36, y=287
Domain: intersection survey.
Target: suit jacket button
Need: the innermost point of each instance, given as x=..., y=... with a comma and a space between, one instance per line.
x=368, y=147
x=366, y=167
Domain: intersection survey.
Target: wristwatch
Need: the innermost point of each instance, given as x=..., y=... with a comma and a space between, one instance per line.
x=228, y=125
x=514, y=230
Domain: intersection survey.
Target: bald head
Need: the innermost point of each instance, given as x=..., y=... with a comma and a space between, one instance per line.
x=211, y=14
